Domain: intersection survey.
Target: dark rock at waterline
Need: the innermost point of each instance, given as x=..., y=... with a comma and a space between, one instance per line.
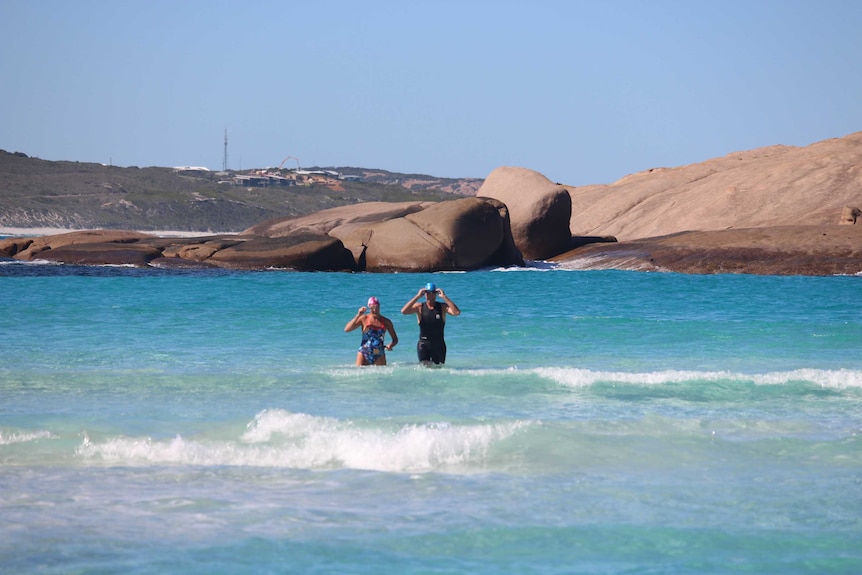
x=307, y=252
x=136, y=254
x=827, y=249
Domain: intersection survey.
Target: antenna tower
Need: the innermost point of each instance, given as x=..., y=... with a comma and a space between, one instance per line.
x=224, y=163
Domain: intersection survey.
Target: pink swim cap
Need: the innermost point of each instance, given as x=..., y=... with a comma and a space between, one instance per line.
x=373, y=301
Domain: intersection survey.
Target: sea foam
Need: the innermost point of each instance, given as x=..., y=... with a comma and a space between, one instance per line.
x=9, y=438
x=279, y=438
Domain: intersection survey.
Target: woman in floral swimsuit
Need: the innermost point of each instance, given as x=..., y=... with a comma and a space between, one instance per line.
x=374, y=327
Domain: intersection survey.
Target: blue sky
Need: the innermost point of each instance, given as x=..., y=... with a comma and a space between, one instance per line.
x=583, y=92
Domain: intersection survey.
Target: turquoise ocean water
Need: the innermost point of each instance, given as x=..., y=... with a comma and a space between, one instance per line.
x=586, y=422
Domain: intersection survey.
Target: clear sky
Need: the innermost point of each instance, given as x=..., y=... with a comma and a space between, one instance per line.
x=583, y=92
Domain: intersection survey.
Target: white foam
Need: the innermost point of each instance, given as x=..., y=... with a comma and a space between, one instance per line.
x=575, y=377
x=529, y=266
x=829, y=378
x=278, y=438
x=23, y=437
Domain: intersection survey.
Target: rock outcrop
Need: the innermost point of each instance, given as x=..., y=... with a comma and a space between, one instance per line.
x=777, y=210
x=826, y=249
x=773, y=186
x=325, y=221
x=539, y=209
x=116, y=247
x=462, y=234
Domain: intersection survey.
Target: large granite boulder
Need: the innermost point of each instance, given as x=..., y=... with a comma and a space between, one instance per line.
x=765, y=187
x=540, y=210
x=301, y=252
x=324, y=221
x=462, y=234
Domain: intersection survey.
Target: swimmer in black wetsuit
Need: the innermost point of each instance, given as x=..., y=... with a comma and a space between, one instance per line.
x=431, y=316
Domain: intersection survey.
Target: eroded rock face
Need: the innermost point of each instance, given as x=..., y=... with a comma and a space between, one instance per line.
x=43, y=243
x=311, y=252
x=325, y=221
x=97, y=254
x=826, y=249
x=463, y=234
x=539, y=209
x=306, y=252
x=765, y=187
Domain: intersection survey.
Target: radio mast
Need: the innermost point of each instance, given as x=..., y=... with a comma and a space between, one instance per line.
x=224, y=163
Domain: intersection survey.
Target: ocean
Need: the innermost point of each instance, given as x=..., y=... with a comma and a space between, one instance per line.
x=594, y=422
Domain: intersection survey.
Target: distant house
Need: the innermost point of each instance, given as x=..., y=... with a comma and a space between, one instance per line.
x=191, y=169
x=263, y=180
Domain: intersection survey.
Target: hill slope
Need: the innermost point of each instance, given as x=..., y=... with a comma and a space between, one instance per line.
x=36, y=193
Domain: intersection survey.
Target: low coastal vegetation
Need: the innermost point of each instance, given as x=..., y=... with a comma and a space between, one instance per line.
x=37, y=193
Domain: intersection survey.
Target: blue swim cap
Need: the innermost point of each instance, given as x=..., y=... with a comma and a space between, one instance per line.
x=430, y=287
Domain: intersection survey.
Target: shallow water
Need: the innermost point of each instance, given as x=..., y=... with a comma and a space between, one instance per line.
x=585, y=422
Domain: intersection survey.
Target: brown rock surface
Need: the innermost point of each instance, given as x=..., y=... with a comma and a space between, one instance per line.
x=325, y=221
x=772, y=210
x=302, y=252
x=777, y=250
x=454, y=235
x=540, y=210
x=96, y=254
x=773, y=186
x=53, y=242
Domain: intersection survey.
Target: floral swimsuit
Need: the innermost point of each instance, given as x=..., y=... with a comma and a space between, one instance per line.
x=372, y=343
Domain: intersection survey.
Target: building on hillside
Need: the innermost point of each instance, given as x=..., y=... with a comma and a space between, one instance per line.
x=190, y=169
x=263, y=180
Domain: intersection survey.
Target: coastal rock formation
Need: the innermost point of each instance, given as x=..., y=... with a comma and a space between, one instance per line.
x=33, y=247
x=100, y=254
x=773, y=186
x=456, y=235
x=825, y=249
x=539, y=209
x=306, y=252
x=325, y=221
x=461, y=234
x=772, y=210
x=301, y=252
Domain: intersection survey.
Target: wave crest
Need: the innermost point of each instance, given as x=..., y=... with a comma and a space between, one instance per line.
x=279, y=438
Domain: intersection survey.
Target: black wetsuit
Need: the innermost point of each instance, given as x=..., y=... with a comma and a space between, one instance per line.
x=431, y=346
